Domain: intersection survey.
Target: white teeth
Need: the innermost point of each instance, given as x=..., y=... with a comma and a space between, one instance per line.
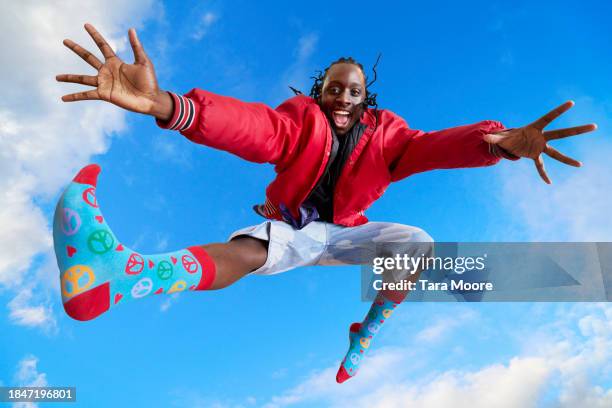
x=344, y=113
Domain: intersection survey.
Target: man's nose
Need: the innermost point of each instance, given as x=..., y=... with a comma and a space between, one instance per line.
x=344, y=97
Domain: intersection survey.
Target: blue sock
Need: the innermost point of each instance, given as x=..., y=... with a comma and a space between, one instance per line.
x=361, y=336
x=97, y=272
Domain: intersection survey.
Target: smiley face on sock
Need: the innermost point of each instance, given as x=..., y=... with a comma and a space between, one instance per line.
x=365, y=342
x=387, y=313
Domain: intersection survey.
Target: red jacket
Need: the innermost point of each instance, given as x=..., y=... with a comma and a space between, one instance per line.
x=296, y=138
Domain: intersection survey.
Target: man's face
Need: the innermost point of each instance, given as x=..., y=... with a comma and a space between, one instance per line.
x=342, y=96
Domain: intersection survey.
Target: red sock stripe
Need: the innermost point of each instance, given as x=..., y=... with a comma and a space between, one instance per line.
x=90, y=304
x=208, y=267
x=88, y=175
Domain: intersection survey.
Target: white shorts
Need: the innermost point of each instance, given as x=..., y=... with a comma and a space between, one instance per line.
x=322, y=243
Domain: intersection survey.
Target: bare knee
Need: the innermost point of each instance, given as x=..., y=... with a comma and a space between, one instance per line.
x=252, y=252
x=235, y=259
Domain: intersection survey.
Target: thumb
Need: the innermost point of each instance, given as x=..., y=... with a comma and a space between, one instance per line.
x=140, y=56
x=493, y=138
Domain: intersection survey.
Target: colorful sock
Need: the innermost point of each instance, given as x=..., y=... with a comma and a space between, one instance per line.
x=97, y=272
x=361, y=336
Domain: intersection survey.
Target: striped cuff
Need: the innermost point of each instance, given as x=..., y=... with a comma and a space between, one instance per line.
x=266, y=210
x=183, y=116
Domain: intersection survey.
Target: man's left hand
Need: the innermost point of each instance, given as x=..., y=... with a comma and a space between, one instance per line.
x=531, y=140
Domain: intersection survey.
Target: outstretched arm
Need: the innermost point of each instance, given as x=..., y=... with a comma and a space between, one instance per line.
x=409, y=151
x=531, y=140
x=252, y=131
x=129, y=86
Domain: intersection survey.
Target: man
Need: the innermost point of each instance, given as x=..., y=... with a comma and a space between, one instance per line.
x=333, y=158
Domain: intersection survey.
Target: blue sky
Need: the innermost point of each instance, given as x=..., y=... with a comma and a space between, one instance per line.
x=276, y=341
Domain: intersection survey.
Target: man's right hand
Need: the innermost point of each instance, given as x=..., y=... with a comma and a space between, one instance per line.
x=129, y=86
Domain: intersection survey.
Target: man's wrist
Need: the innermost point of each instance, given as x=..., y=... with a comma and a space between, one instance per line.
x=163, y=106
x=183, y=115
x=498, y=151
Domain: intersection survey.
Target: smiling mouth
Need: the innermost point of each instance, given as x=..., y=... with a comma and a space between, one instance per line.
x=341, y=118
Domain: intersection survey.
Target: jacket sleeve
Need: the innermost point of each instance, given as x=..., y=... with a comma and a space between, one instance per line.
x=409, y=151
x=252, y=131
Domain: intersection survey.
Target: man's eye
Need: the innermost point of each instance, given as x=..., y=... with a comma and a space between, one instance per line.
x=356, y=92
x=334, y=90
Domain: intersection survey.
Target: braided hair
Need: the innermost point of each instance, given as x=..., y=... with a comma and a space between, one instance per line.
x=319, y=79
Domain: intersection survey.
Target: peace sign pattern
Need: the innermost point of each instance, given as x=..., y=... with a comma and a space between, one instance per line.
x=134, y=265
x=71, y=222
x=96, y=271
x=89, y=196
x=100, y=241
x=178, y=286
x=142, y=288
x=164, y=270
x=189, y=264
x=362, y=334
x=79, y=208
x=73, y=282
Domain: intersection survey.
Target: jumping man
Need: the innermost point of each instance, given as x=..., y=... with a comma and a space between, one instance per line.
x=334, y=155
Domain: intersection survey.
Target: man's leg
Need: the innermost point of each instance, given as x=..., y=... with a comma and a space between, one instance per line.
x=98, y=272
x=359, y=245
x=235, y=259
x=361, y=334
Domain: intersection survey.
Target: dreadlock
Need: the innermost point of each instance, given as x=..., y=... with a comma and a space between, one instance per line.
x=319, y=79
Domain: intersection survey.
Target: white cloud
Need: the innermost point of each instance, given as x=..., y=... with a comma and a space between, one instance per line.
x=301, y=68
x=443, y=326
x=42, y=140
x=306, y=46
x=24, y=313
x=205, y=22
x=589, y=351
x=27, y=375
x=24, y=231
x=566, y=356
x=516, y=384
x=171, y=150
x=574, y=208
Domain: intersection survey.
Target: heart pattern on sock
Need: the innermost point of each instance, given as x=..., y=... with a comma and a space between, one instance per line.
x=94, y=277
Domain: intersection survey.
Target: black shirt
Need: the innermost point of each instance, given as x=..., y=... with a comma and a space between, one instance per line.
x=322, y=196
